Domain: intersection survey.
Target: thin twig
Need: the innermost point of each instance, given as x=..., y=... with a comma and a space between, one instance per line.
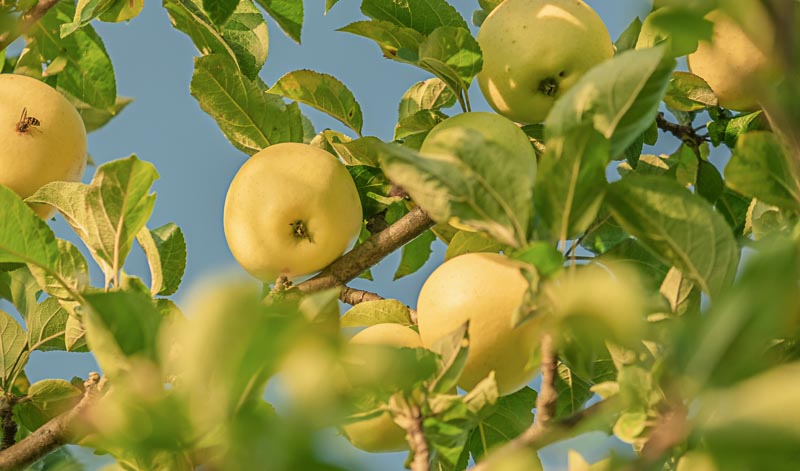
x=409, y=417
x=685, y=133
x=548, y=396
x=55, y=433
x=370, y=252
x=354, y=296
x=26, y=22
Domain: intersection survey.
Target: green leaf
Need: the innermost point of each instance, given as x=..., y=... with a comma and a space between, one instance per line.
x=220, y=10
x=118, y=204
x=688, y=92
x=510, y=416
x=390, y=37
x=120, y=325
x=603, y=234
x=362, y=151
x=733, y=207
x=571, y=181
x=464, y=242
x=13, y=345
x=288, y=14
x=619, y=98
x=421, y=15
x=453, y=55
x=573, y=392
x=47, y=324
x=709, y=182
x=432, y=94
x=188, y=16
x=24, y=238
x=454, y=350
x=543, y=256
x=69, y=274
x=373, y=188
x=460, y=181
x=75, y=335
x=413, y=129
x=88, y=74
x=323, y=92
x=165, y=249
x=248, y=116
x=633, y=254
x=377, y=312
x=681, y=228
x=629, y=37
x=85, y=12
x=246, y=34
x=678, y=28
x=414, y=254
x=96, y=118
x=47, y=399
x=759, y=168
x=329, y=4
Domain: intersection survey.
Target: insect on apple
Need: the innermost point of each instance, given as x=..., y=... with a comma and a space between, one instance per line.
x=27, y=123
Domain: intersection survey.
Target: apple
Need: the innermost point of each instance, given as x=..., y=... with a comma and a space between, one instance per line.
x=534, y=51
x=381, y=433
x=486, y=289
x=732, y=63
x=42, y=138
x=291, y=210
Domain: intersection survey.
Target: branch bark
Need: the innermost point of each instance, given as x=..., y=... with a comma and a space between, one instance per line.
x=685, y=133
x=354, y=296
x=548, y=396
x=26, y=22
x=55, y=433
x=371, y=251
x=411, y=421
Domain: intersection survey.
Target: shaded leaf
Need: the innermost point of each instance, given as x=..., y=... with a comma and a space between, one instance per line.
x=377, y=312
x=421, y=15
x=288, y=14
x=414, y=254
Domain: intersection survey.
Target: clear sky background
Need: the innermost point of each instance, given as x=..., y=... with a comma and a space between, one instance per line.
x=165, y=125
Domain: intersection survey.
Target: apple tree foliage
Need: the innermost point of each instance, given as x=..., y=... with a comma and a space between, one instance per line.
x=714, y=375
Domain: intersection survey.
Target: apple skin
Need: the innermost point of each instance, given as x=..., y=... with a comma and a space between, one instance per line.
x=486, y=289
x=279, y=187
x=732, y=64
x=381, y=433
x=534, y=51
x=55, y=150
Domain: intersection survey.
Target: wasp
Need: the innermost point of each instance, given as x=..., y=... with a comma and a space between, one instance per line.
x=26, y=122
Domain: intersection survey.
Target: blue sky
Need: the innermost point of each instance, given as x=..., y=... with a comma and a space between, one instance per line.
x=165, y=126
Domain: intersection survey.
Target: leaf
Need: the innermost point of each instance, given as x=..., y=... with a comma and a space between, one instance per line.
x=414, y=254
x=454, y=350
x=288, y=14
x=362, y=151
x=573, y=392
x=681, y=228
x=460, y=181
x=75, y=335
x=220, y=10
x=677, y=28
x=69, y=274
x=96, y=118
x=323, y=92
x=390, y=37
x=571, y=181
x=47, y=399
x=759, y=168
x=377, y=312
x=453, y=55
x=165, y=249
x=187, y=16
x=510, y=416
x=432, y=94
x=688, y=92
x=85, y=12
x=88, y=74
x=627, y=40
x=709, y=182
x=619, y=98
x=246, y=34
x=464, y=242
x=122, y=10
x=119, y=203
x=120, y=325
x=329, y=4
x=733, y=207
x=421, y=15
x=248, y=116
x=13, y=344
x=412, y=130
x=47, y=324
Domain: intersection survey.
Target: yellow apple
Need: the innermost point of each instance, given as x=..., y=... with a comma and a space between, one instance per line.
x=381, y=433
x=486, y=289
x=732, y=63
x=42, y=137
x=534, y=51
x=291, y=210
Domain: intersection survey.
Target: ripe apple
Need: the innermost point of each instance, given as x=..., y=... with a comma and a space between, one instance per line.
x=381, y=433
x=534, y=51
x=486, y=289
x=291, y=210
x=732, y=63
x=42, y=138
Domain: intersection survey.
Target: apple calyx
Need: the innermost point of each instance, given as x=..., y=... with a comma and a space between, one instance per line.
x=549, y=86
x=300, y=231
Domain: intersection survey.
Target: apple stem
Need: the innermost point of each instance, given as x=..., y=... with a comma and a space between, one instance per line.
x=300, y=230
x=549, y=86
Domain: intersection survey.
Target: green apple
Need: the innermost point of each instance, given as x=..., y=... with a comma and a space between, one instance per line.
x=42, y=138
x=486, y=289
x=535, y=50
x=291, y=210
x=381, y=433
